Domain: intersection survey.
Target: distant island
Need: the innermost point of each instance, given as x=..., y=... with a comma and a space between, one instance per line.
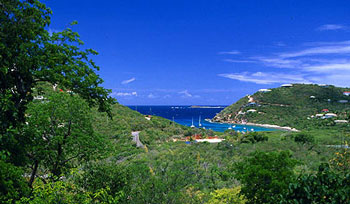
x=207, y=106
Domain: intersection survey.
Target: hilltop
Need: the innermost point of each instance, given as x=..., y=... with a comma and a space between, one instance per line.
x=301, y=106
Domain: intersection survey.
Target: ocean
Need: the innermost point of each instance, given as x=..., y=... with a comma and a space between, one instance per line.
x=184, y=115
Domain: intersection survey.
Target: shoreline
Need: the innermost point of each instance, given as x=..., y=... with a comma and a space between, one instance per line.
x=265, y=126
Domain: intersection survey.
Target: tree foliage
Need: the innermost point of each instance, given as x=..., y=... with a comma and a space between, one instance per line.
x=30, y=54
x=265, y=176
x=61, y=133
x=326, y=186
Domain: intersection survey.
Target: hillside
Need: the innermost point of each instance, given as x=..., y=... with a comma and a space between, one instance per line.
x=294, y=106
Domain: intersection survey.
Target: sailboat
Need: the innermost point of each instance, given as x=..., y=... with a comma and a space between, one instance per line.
x=230, y=128
x=192, y=126
x=199, y=123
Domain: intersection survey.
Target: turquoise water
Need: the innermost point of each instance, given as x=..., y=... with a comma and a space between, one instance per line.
x=184, y=115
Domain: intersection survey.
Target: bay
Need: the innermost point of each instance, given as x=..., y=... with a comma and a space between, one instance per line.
x=184, y=115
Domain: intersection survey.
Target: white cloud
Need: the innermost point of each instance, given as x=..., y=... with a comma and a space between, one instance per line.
x=151, y=95
x=266, y=78
x=327, y=68
x=279, y=62
x=233, y=52
x=331, y=27
x=240, y=61
x=342, y=49
x=187, y=94
x=128, y=81
x=134, y=93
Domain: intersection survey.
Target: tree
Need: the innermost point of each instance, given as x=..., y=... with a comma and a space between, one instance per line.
x=227, y=195
x=12, y=184
x=30, y=54
x=326, y=186
x=61, y=133
x=265, y=175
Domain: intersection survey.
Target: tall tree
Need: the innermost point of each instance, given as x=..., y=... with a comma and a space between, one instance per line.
x=30, y=54
x=61, y=132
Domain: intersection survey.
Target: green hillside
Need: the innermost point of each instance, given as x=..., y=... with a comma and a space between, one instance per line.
x=289, y=106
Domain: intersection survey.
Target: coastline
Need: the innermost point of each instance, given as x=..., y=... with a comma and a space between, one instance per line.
x=264, y=125
x=272, y=126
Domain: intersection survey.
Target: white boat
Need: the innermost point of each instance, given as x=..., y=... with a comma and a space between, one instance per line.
x=230, y=128
x=199, y=123
x=192, y=126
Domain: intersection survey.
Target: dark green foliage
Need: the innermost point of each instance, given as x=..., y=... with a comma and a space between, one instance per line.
x=29, y=55
x=61, y=133
x=12, y=184
x=265, y=176
x=102, y=175
x=326, y=186
x=254, y=137
x=304, y=138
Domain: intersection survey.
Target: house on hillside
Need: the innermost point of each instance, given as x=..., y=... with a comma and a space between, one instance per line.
x=38, y=97
x=214, y=139
x=330, y=115
x=343, y=101
x=264, y=90
x=312, y=97
x=252, y=104
x=287, y=85
x=325, y=110
x=251, y=111
x=346, y=93
x=341, y=121
x=323, y=85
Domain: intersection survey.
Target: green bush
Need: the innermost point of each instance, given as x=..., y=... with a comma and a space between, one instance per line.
x=304, y=138
x=265, y=176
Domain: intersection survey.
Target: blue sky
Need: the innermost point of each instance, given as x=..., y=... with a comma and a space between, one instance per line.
x=205, y=52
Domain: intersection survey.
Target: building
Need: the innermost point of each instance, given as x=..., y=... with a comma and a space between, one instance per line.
x=286, y=85
x=312, y=97
x=346, y=93
x=323, y=85
x=341, y=121
x=330, y=115
x=325, y=110
x=264, y=90
x=210, y=140
x=251, y=111
x=252, y=104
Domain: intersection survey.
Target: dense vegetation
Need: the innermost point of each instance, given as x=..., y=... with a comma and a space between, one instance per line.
x=63, y=140
x=290, y=106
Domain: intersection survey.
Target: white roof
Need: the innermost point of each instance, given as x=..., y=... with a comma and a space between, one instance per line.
x=264, y=90
x=287, y=85
x=319, y=115
x=331, y=114
x=251, y=110
x=341, y=121
x=210, y=140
